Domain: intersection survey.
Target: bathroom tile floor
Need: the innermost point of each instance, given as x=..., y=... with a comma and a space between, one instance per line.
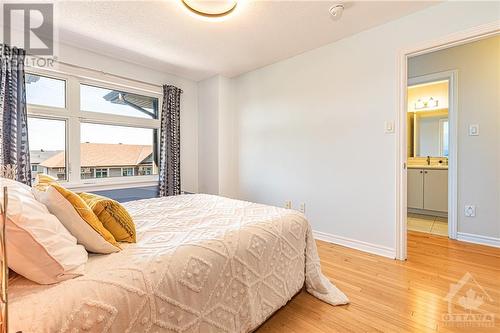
x=430, y=224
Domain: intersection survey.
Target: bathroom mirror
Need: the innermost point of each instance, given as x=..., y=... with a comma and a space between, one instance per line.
x=428, y=120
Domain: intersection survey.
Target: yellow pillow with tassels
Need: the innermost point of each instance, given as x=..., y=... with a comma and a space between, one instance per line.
x=78, y=218
x=43, y=181
x=113, y=216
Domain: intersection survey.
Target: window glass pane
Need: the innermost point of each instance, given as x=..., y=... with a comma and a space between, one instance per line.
x=47, y=139
x=117, y=102
x=117, y=151
x=41, y=90
x=445, y=139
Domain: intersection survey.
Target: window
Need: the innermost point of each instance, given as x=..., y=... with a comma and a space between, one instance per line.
x=101, y=173
x=145, y=170
x=444, y=139
x=86, y=173
x=117, y=102
x=45, y=91
x=112, y=133
x=126, y=172
x=120, y=148
x=47, y=140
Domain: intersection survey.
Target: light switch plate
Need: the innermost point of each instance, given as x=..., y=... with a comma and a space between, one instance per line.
x=389, y=127
x=470, y=211
x=473, y=130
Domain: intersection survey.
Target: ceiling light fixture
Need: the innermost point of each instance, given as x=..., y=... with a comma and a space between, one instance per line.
x=211, y=8
x=336, y=11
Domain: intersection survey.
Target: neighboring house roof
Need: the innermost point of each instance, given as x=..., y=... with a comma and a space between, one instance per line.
x=102, y=154
x=38, y=156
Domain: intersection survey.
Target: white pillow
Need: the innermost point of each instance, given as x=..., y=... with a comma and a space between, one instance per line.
x=38, y=245
x=78, y=227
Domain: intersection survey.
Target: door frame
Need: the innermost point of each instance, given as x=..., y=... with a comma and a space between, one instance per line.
x=452, y=78
x=463, y=37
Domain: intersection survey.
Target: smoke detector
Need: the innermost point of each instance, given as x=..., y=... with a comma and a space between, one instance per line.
x=336, y=11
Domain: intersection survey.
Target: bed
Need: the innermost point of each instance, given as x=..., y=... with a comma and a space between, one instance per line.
x=201, y=263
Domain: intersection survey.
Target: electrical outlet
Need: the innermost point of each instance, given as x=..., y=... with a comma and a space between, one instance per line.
x=303, y=208
x=288, y=204
x=470, y=211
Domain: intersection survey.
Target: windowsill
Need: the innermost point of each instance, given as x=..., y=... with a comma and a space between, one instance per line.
x=102, y=184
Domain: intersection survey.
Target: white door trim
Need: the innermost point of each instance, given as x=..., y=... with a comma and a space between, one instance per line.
x=466, y=36
x=452, y=77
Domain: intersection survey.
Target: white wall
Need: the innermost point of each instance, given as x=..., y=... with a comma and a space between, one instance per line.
x=216, y=144
x=227, y=161
x=311, y=128
x=478, y=66
x=189, y=101
x=208, y=137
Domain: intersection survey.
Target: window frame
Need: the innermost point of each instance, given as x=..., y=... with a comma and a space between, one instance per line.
x=74, y=116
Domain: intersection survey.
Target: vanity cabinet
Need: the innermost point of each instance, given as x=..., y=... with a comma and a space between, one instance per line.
x=416, y=188
x=428, y=189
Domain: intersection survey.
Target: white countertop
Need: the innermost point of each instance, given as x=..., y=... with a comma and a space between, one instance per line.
x=432, y=167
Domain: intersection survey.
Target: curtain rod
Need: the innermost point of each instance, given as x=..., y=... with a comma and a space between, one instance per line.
x=109, y=74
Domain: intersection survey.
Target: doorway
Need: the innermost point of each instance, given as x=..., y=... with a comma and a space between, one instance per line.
x=430, y=123
x=470, y=193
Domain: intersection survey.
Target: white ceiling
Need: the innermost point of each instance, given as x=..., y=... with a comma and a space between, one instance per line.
x=165, y=36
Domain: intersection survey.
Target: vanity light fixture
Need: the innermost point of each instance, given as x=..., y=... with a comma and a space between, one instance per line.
x=211, y=8
x=430, y=103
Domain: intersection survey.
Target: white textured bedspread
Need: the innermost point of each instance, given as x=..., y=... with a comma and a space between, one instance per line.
x=201, y=264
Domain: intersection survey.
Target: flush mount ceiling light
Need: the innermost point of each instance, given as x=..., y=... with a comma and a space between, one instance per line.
x=211, y=8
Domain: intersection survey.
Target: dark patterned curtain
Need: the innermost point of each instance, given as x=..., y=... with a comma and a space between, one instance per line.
x=170, y=142
x=14, y=149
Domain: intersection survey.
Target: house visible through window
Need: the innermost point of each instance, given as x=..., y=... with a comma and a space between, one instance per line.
x=117, y=136
x=47, y=147
x=126, y=151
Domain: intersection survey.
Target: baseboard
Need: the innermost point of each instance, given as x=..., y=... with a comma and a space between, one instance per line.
x=427, y=212
x=478, y=239
x=356, y=244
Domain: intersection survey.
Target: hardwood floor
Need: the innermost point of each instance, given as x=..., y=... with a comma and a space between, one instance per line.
x=394, y=296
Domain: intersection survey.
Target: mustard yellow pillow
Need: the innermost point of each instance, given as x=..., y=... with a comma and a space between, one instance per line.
x=113, y=216
x=42, y=181
x=79, y=219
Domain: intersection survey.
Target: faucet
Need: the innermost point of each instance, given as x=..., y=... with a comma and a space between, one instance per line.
x=428, y=160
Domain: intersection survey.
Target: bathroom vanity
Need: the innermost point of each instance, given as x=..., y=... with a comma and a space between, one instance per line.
x=428, y=148
x=428, y=188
